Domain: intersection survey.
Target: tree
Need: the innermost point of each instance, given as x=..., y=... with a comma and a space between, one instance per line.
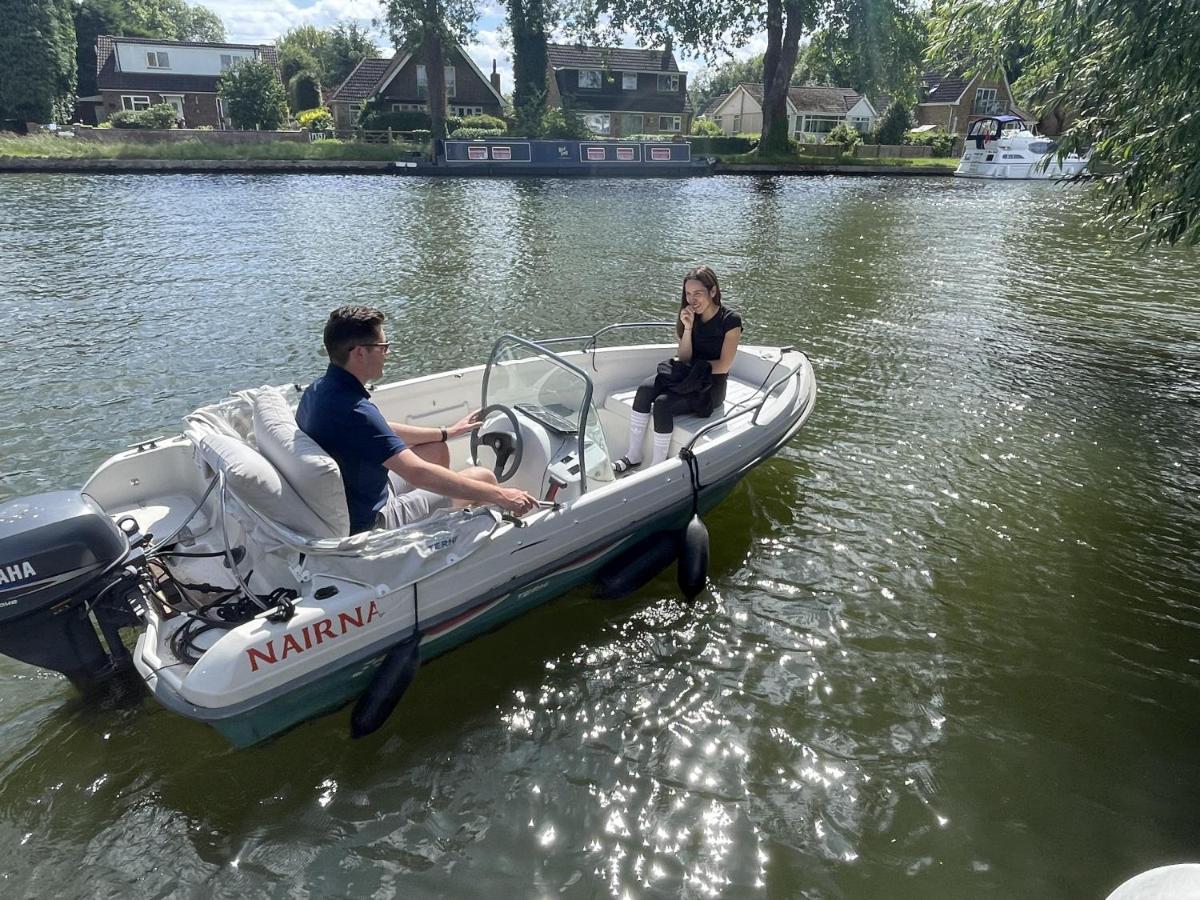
x=428, y=25
x=37, y=60
x=1127, y=73
x=330, y=53
x=527, y=23
x=894, y=124
x=724, y=78
x=873, y=46
x=304, y=91
x=253, y=96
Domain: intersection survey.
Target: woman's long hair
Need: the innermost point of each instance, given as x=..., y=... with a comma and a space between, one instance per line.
x=706, y=277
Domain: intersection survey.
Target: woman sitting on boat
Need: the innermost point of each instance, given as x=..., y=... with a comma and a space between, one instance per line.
x=694, y=382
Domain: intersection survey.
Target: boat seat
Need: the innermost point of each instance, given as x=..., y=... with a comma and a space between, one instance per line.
x=737, y=394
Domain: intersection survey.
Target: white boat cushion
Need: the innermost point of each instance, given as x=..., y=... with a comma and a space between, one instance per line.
x=309, y=470
x=258, y=484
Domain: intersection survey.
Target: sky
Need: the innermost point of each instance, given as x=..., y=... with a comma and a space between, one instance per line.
x=262, y=21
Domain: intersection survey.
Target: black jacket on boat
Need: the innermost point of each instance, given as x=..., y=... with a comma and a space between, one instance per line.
x=692, y=380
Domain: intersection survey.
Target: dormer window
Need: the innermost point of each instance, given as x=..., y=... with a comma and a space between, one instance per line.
x=668, y=84
x=157, y=59
x=629, y=81
x=228, y=61
x=589, y=78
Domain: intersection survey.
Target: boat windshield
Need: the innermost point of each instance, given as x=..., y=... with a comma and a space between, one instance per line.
x=532, y=380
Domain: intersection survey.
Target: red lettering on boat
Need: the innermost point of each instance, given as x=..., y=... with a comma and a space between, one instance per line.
x=255, y=655
x=312, y=636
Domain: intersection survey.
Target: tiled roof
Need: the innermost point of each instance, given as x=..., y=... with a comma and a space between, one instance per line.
x=812, y=98
x=361, y=83
x=938, y=88
x=105, y=42
x=710, y=107
x=615, y=59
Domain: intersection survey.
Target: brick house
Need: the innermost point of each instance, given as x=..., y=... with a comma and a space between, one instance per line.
x=400, y=85
x=620, y=92
x=812, y=111
x=953, y=102
x=136, y=73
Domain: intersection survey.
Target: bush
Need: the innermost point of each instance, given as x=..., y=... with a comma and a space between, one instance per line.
x=475, y=134
x=159, y=116
x=893, y=125
x=563, y=125
x=253, y=95
x=318, y=119
x=940, y=142
x=487, y=122
x=304, y=91
x=844, y=136
x=706, y=128
x=404, y=121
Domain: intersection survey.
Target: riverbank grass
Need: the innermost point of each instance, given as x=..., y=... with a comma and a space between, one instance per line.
x=46, y=146
x=801, y=159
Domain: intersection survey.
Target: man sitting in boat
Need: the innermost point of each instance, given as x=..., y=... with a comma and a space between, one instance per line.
x=337, y=413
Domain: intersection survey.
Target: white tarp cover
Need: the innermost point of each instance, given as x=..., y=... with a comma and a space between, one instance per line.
x=409, y=554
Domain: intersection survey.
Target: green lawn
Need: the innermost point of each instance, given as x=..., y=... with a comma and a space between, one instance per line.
x=46, y=146
x=799, y=159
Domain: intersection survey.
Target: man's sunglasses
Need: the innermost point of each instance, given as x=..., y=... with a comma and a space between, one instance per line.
x=384, y=344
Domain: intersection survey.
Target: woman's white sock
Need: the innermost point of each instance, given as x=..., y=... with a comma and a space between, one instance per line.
x=637, y=435
x=662, y=445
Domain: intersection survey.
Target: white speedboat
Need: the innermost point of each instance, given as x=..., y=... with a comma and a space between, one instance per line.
x=1003, y=147
x=218, y=565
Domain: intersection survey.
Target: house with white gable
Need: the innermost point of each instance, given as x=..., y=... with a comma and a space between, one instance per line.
x=812, y=110
x=136, y=73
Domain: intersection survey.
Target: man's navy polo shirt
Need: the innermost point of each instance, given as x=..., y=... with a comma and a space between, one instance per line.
x=336, y=411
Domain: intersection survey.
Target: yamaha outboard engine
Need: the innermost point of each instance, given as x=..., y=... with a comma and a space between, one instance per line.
x=66, y=581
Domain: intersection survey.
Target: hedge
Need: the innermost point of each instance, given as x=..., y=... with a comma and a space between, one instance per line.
x=475, y=134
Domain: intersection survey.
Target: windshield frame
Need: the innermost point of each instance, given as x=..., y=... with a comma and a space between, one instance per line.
x=539, y=350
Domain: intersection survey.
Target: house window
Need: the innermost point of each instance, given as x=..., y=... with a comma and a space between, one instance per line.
x=466, y=110
x=423, y=82
x=629, y=81
x=598, y=123
x=589, y=78
x=408, y=107
x=670, y=123
x=861, y=124
x=135, y=102
x=985, y=102
x=737, y=123
x=668, y=83
x=157, y=59
x=229, y=60
x=818, y=124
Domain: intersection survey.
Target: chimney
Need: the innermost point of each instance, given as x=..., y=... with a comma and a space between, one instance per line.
x=495, y=77
x=666, y=54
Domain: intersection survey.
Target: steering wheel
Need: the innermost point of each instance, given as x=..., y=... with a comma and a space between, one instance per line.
x=507, y=447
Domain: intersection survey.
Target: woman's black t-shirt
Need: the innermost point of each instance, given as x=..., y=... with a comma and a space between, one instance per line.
x=708, y=337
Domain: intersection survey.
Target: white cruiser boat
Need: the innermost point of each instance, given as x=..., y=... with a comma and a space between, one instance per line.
x=1003, y=147
x=218, y=564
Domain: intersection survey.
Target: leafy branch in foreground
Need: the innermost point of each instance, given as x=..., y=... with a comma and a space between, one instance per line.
x=1123, y=75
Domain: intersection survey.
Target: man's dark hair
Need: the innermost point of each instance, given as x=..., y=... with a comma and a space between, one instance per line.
x=349, y=327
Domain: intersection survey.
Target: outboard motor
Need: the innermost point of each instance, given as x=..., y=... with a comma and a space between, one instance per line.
x=65, y=581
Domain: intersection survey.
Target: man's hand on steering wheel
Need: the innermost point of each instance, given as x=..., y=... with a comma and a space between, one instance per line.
x=465, y=425
x=517, y=502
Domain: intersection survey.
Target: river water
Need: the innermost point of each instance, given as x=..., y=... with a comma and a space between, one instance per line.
x=952, y=642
